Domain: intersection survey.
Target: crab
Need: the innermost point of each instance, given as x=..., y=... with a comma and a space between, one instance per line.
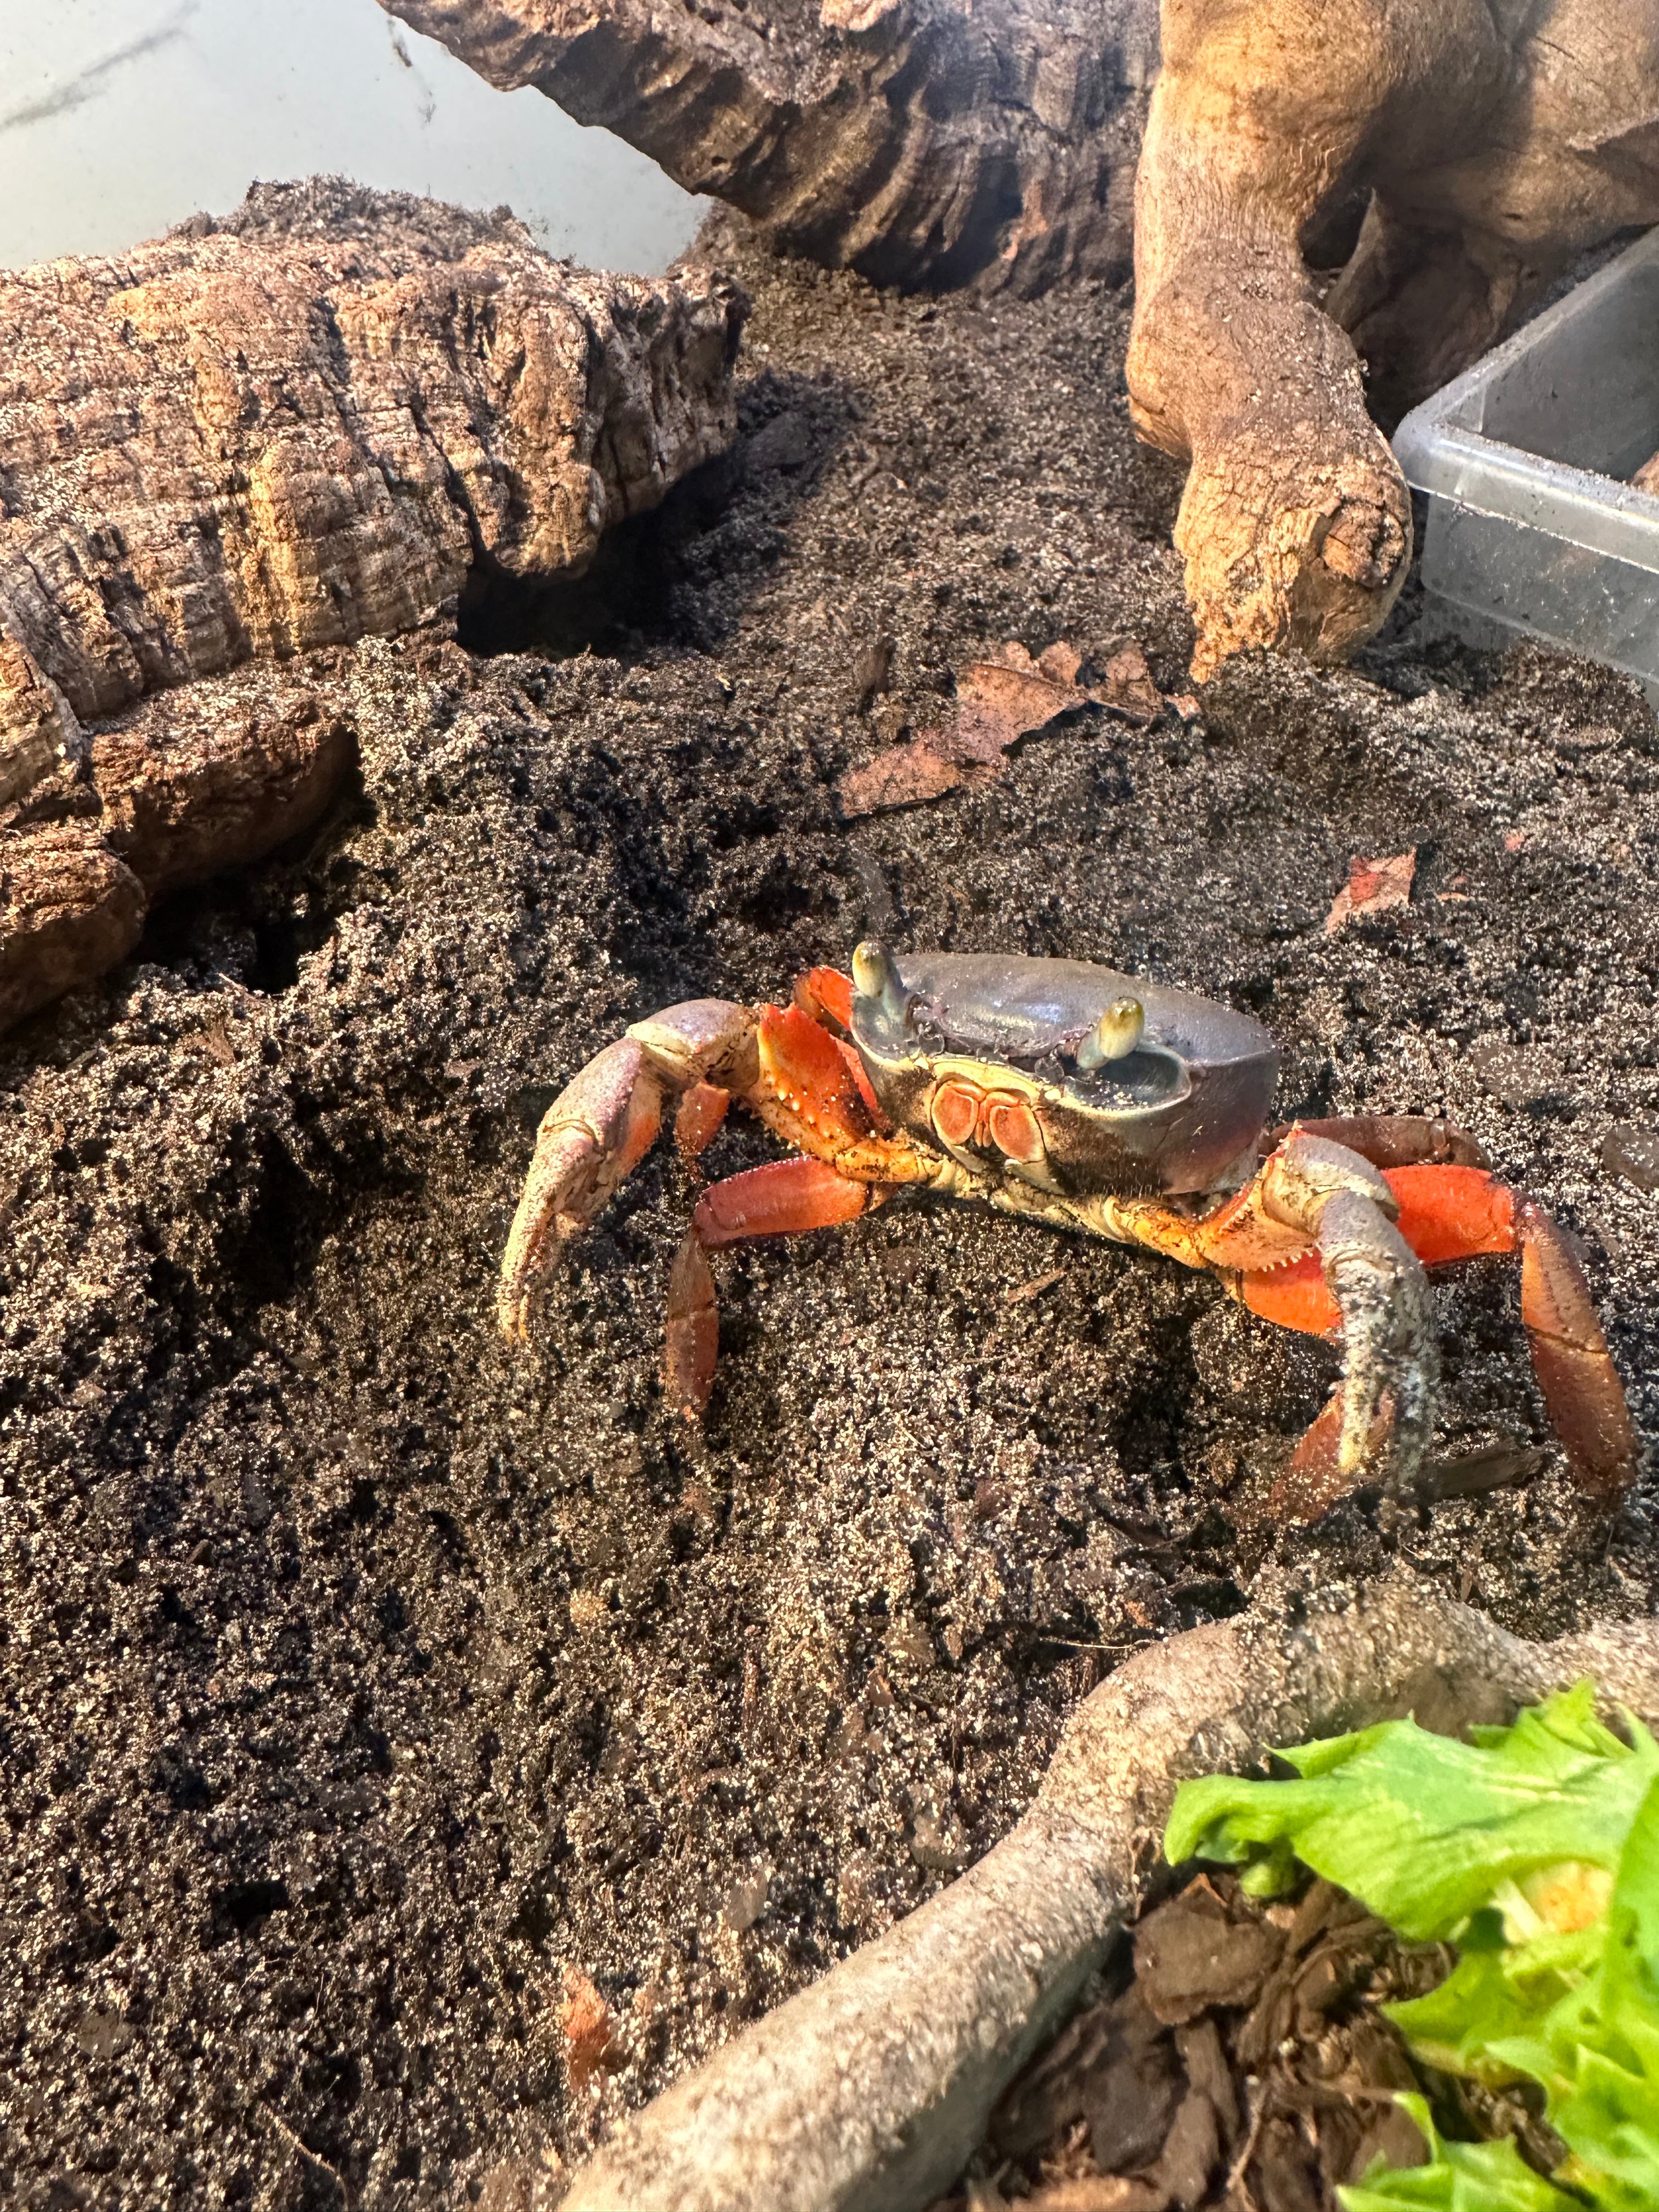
x=1068, y=1093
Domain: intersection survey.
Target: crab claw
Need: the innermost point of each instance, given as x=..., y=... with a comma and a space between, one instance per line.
x=603, y=1122
x=597, y=1130
x=1392, y=1361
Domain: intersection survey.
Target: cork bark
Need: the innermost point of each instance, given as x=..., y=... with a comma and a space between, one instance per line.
x=1447, y=157
x=228, y=456
x=1487, y=143
x=868, y=2092
x=923, y=143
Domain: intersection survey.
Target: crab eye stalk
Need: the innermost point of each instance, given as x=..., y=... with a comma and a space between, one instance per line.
x=876, y=975
x=1114, y=1037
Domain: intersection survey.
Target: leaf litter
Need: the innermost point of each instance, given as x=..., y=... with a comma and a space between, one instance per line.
x=998, y=702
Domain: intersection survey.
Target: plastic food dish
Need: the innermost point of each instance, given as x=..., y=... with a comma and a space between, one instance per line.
x=1533, y=529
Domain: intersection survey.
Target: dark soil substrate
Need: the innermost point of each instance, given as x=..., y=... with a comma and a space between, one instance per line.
x=363, y=1683
x=1237, y=2059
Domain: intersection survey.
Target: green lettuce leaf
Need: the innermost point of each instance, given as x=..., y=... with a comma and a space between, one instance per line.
x=1458, y=2178
x=1424, y=1830
x=1603, y=2088
x=1497, y=1995
x=1536, y=1849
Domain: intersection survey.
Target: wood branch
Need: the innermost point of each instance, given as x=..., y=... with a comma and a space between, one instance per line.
x=228, y=456
x=925, y=143
x=871, y=2089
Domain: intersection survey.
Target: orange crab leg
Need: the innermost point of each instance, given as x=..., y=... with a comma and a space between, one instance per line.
x=1581, y=1386
x=1454, y=1212
x=1445, y=1213
x=781, y=1198
x=1394, y=1140
x=1294, y=1295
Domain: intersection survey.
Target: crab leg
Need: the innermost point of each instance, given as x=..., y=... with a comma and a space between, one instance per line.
x=1394, y=1140
x=783, y=1198
x=603, y=1123
x=1455, y=1213
x=1452, y=1213
x=1391, y=1358
x=812, y=1092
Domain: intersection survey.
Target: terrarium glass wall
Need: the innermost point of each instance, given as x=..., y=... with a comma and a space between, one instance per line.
x=119, y=118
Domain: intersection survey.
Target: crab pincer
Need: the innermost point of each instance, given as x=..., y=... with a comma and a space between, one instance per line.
x=602, y=1125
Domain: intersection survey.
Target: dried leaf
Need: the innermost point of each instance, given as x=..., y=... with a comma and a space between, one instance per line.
x=999, y=700
x=1647, y=477
x=903, y=776
x=214, y=1040
x=1020, y=699
x=976, y=737
x=589, y=2033
x=1128, y=689
x=1022, y=1292
x=1374, y=886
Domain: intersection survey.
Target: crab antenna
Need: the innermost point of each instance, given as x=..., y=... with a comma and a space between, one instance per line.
x=876, y=975
x=1114, y=1037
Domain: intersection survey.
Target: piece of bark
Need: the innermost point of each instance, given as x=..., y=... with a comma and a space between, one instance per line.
x=42, y=745
x=1054, y=2090
x=68, y=909
x=871, y=2089
x=229, y=454
x=1191, y=2153
x=1131, y=2108
x=225, y=446
x=1191, y=1954
x=214, y=775
x=1647, y=477
x=923, y=143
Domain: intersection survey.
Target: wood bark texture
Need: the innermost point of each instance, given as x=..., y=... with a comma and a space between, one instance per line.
x=923, y=143
x=228, y=456
x=868, y=2092
x=1454, y=154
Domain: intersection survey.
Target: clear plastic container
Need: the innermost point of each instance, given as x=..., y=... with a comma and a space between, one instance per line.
x=1531, y=530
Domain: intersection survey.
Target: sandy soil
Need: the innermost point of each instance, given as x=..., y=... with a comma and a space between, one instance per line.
x=363, y=1681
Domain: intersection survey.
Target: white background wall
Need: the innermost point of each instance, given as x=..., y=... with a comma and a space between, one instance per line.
x=121, y=117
